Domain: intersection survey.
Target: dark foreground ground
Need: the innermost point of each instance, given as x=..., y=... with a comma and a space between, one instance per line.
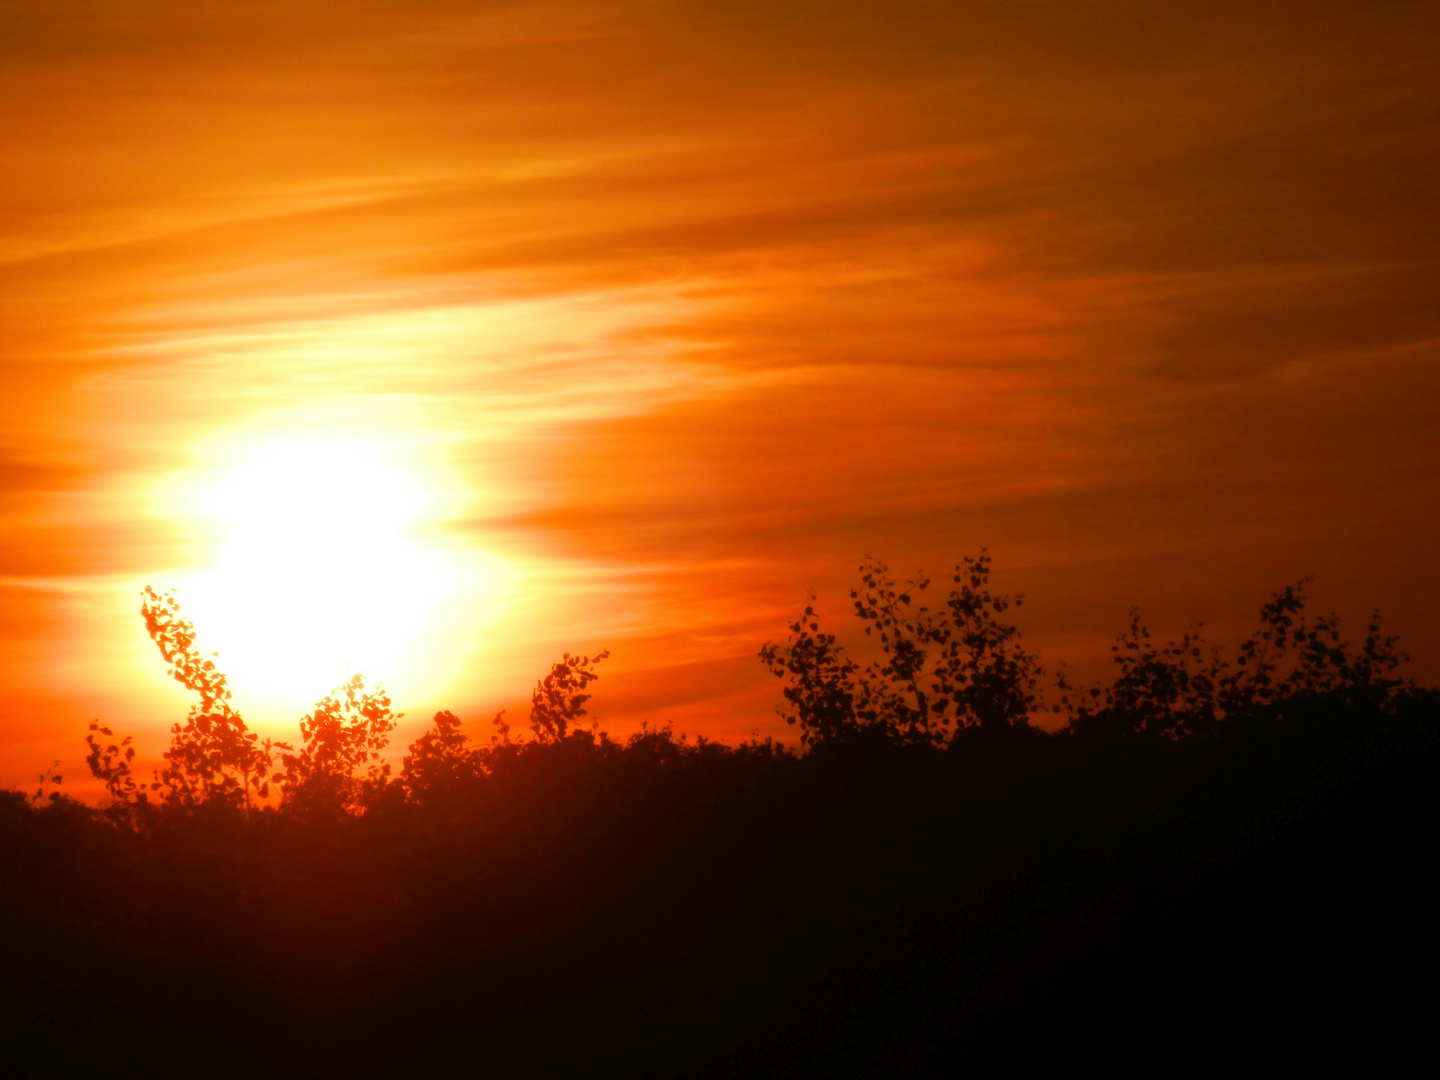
x=1260, y=899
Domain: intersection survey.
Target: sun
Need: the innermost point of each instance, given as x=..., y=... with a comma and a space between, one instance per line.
x=329, y=559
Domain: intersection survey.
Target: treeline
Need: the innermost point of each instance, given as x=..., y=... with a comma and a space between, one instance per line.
x=945, y=676
x=1228, y=845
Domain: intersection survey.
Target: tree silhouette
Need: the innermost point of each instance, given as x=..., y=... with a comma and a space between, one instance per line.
x=213, y=757
x=111, y=766
x=822, y=688
x=1181, y=689
x=941, y=672
x=558, y=700
x=440, y=762
x=338, y=768
x=1167, y=691
x=215, y=760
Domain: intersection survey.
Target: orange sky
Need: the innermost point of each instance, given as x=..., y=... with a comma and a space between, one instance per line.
x=675, y=311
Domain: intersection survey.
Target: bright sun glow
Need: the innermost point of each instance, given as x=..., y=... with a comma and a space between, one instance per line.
x=331, y=562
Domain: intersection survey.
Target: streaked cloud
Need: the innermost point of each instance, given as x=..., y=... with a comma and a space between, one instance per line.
x=702, y=302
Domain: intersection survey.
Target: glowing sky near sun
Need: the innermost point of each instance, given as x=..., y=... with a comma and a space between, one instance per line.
x=440, y=336
x=326, y=563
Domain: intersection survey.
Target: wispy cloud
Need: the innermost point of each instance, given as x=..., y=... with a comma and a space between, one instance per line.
x=704, y=301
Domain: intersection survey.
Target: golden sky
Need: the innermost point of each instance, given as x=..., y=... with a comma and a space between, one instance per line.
x=513, y=328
